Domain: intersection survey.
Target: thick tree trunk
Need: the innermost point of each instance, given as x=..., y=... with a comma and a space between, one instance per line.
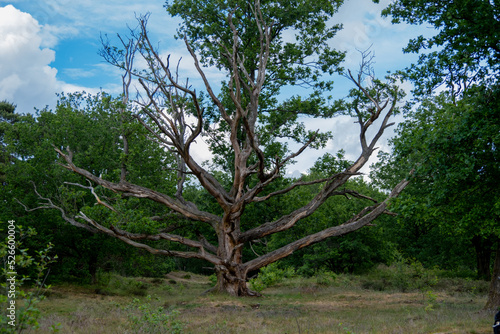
x=493, y=302
x=483, y=256
x=232, y=280
x=231, y=275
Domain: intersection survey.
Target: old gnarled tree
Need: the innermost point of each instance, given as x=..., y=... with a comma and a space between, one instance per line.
x=246, y=41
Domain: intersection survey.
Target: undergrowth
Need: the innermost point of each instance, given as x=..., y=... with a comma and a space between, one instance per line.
x=111, y=284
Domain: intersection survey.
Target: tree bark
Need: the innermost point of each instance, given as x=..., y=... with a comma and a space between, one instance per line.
x=483, y=256
x=493, y=302
x=93, y=267
x=231, y=273
x=232, y=280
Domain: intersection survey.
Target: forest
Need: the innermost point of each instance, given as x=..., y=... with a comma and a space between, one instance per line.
x=103, y=195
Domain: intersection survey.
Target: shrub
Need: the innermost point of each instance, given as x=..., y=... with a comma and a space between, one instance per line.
x=403, y=275
x=110, y=284
x=26, y=301
x=270, y=275
x=325, y=278
x=213, y=279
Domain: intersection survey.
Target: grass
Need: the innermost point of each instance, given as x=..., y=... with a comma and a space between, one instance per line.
x=296, y=305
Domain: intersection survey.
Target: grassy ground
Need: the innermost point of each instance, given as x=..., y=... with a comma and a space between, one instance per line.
x=296, y=305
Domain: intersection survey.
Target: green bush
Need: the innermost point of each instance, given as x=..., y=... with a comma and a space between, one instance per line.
x=325, y=278
x=26, y=300
x=111, y=284
x=213, y=279
x=463, y=285
x=403, y=275
x=270, y=275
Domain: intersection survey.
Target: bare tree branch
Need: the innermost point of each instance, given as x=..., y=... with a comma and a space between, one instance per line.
x=189, y=211
x=127, y=238
x=50, y=205
x=363, y=218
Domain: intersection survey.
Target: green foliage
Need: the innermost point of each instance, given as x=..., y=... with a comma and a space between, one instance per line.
x=344, y=329
x=300, y=61
x=146, y=318
x=31, y=273
x=431, y=301
x=91, y=126
x=111, y=284
x=451, y=140
x=451, y=200
x=403, y=275
x=269, y=276
x=91, y=130
x=352, y=253
x=464, y=49
x=213, y=279
x=6, y=108
x=325, y=278
x=7, y=116
x=306, y=20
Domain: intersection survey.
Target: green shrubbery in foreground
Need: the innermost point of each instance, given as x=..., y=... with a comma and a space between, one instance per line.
x=23, y=274
x=402, y=275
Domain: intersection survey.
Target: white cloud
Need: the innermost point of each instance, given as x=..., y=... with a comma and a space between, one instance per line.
x=88, y=16
x=51, y=34
x=27, y=77
x=28, y=80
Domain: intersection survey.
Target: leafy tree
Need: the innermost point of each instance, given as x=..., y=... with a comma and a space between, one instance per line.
x=464, y=52
x=465, y=59
x=453, y=148
x=352, y=253
x=24, y=313
x=90, y=125
x=355, y=252
x=246, y=41
x=7, y=116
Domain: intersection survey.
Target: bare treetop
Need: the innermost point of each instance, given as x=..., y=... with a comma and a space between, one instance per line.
x=241, y=125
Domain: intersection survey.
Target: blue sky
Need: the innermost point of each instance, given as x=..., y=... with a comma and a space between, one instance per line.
x=51, y=46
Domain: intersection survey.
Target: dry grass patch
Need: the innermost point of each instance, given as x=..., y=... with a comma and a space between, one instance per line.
x=299, y=306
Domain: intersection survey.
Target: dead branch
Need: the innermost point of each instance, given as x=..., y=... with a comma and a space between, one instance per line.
x=127, y=238
x=189, y=211
x=50, y=205
x=366, y=216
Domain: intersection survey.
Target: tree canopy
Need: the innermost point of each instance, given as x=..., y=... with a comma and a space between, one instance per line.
x=451, y=139
x=90, y=125
x=464, y=51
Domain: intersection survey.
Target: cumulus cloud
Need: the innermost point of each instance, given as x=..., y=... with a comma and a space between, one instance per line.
x=26, y=76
